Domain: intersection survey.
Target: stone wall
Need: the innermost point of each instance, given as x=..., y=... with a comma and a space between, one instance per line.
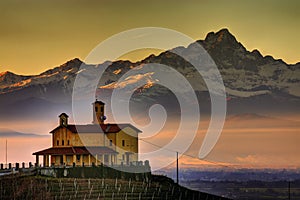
x=122, y=172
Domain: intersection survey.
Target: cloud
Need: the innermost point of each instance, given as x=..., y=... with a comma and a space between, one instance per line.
x=250, y=159
x=264, y=160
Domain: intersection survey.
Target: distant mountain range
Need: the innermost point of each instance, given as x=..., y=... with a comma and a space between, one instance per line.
x=254, y=83
x=6, y=133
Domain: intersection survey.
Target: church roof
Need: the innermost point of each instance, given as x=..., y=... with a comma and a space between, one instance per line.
x=63, y=114
x=75, y=150
x=97, y=128
x=100, y=102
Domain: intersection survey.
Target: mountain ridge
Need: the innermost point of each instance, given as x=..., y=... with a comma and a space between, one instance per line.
x=249, y=77
x=222, y=33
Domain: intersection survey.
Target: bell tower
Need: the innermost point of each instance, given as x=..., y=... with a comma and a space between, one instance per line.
x=63, y=119
x=98, y=112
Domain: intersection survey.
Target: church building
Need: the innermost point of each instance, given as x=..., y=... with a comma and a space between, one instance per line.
x=91, y=144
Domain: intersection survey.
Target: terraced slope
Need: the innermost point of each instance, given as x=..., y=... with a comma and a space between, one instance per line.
x=32, y=187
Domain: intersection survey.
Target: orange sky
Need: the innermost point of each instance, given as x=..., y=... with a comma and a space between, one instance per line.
x=254, y=146
x=243, y=143
x=38, y=35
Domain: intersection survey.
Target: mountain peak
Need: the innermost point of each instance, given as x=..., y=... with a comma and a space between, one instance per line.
x=75, y=61
x=8, y=78
x=6, y=73
x=223, y=36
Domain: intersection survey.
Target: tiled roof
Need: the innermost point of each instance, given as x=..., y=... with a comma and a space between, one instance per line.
x=75, y=150
x=63, y=114
x=100, y=102
x=97, y=128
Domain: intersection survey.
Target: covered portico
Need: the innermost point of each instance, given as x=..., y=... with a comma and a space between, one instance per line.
x=78, y=156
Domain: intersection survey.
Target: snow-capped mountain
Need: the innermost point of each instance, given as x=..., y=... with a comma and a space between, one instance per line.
x=9, y=79
x=253, y=82
x=244, y=73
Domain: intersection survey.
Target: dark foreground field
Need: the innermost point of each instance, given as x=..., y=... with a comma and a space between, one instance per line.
x=37, y=187
x=250, y=190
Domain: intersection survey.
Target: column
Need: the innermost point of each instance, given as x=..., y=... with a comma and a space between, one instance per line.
x=65, y=159
x=104, y=137
x=47, y=161
x=37, y=160
x=81, y=160
x=89, y=159
x=74, y=159
x=103, y=155
x=44, y=161
x=96, y=162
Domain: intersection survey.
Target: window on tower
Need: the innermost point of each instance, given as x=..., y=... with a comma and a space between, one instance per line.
x=102, y=109
x=96, y=109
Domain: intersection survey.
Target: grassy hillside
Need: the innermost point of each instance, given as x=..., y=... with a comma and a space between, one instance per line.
x=38, y=187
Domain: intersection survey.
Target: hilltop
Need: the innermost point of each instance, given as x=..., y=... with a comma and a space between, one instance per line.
x=32, y=187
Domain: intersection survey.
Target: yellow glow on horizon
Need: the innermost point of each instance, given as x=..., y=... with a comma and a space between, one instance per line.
x=140, y=54
x=251, y=146
x=38, y=35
